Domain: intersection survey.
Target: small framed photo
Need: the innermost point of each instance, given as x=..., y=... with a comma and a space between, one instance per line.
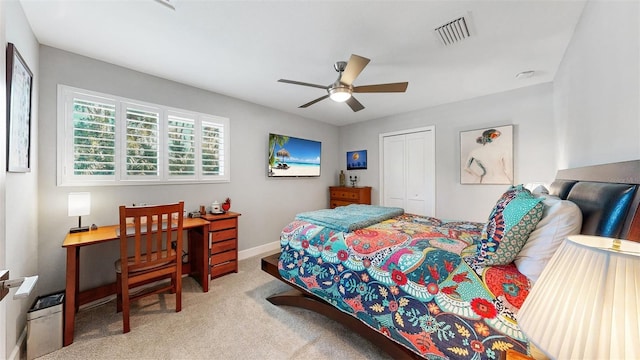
x=486, y=156
x=19, y=88
x=357, y=160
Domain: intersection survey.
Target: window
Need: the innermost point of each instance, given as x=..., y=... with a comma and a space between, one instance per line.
x=108, y=140
x=182, y=145
x=213, y=152
x=93, y=139
x=142, y=144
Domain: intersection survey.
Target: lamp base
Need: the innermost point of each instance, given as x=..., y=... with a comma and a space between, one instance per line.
x=78, y=229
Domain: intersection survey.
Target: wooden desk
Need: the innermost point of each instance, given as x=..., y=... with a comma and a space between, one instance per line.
x=198, y=267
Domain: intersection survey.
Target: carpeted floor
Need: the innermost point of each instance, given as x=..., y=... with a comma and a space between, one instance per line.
x=232, y=321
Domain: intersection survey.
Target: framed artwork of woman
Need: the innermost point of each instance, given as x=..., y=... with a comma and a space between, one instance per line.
x=486, y=156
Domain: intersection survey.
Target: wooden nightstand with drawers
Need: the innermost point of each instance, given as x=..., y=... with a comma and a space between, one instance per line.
x=342, y=195
x=223, y=243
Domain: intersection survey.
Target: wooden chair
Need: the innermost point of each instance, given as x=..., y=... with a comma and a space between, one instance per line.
x=150, y=250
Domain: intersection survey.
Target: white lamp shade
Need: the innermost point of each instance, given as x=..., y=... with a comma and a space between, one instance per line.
x=79, y=203
x=586, y=303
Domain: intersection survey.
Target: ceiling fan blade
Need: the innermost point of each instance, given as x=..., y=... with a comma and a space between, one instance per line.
x=302, y=83
x=313, y=101
x=354, y=104
x=393, y=87
x=354, y=67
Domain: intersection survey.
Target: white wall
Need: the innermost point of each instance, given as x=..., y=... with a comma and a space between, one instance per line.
x=597, y=88
x=3, y=145
x=529, y=109
x=21, y=192
x=266, y=204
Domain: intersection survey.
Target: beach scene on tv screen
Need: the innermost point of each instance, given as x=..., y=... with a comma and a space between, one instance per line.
x=291, y=156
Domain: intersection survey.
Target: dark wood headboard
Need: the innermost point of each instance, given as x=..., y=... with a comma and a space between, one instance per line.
x=599, y=177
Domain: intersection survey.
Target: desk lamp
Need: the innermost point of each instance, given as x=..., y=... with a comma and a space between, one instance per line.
x=79, y=204
x=586, y=303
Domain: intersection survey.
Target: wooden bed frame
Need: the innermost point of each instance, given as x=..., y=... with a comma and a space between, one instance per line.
x=617, y=173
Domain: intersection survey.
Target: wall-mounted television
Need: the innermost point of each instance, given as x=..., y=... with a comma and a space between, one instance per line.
x=293, y=157
x=357, y=160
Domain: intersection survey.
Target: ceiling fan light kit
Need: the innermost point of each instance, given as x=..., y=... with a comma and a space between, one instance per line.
x=339, y=93
x=342, y=90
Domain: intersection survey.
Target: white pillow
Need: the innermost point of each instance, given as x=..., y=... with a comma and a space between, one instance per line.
x=560, y=219
x=540, y=190
x=537, y=188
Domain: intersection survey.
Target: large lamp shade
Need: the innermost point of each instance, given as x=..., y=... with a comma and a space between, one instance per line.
x=586, y=303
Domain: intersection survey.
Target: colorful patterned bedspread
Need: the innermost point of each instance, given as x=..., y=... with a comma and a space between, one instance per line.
x=413, y=279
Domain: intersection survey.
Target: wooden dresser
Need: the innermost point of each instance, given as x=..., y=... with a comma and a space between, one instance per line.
x=343, y=195
x=223, y=243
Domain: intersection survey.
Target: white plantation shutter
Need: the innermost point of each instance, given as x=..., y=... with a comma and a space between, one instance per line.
x=213, y=148
x=93, y=130
x=181, y=146
x=108, y=140
x=142, y=141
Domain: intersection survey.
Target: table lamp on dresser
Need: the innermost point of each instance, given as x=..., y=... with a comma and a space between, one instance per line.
x=79, y=204
x=586, y=303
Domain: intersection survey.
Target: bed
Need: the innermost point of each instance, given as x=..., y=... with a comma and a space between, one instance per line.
x=421, y=287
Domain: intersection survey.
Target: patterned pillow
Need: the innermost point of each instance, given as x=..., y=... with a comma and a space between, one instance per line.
x=514, y=217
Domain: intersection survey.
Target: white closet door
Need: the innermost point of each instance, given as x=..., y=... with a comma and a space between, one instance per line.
x=394, y=184
x=416, y=194
x=408, y=177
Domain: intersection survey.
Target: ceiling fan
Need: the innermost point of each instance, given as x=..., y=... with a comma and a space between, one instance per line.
x=342, y=89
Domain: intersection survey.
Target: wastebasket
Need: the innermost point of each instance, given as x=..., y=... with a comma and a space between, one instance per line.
x=44, y=325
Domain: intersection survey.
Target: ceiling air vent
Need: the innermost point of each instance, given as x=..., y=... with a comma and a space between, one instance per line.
x=452, y=32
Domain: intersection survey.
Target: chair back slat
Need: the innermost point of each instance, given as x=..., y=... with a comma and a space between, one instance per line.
x=154, y=230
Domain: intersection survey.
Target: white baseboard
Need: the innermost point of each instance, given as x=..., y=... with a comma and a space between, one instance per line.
x=266, y=248
x=17, y=352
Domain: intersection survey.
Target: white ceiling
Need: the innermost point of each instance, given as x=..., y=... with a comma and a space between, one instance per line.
x=241, y=48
